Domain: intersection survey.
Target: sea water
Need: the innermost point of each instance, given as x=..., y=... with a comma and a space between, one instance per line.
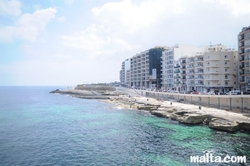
x=39, y=128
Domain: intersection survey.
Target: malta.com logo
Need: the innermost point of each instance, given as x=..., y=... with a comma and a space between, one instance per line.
x=208, y=157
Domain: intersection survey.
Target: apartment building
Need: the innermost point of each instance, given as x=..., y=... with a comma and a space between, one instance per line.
x=195, y=72
x=220, y=68
x=169, y=71
x=202, y=69
x=146, y=68
x=123, y=74
x=244, y=58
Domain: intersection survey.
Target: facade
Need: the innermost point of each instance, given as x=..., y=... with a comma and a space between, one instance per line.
x=210, y=68
x=128, y=78
x=125, y=67
x=145, y=69
x=244, y=58
x=220, y=68
x=169, y=56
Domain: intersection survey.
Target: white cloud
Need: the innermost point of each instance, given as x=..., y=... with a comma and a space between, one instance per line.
x=28, y=25
x=86, y=40
x=10, y=7
x=134, y=17
x=61, y=19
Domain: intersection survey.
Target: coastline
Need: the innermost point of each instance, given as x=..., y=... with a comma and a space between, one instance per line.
x=217, y=119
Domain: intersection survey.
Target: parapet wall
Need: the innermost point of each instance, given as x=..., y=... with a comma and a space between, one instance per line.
x=229, y=102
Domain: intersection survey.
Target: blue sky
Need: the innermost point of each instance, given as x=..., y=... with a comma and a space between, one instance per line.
x=69, y=42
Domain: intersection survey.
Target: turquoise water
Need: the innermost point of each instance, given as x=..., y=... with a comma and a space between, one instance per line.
x=39, y=128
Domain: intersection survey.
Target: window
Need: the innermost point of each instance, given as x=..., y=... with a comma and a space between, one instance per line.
x=226, y=76
x=225, y=69
x=225, y=56
x=208, y=83
x=225, y=63
x=234, y=82
x=226, y=83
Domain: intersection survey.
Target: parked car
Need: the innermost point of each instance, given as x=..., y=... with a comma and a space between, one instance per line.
x=195, y=92
x=234, y=92
x=211, y=93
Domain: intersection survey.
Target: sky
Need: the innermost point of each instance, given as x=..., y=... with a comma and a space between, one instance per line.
x=70, y=42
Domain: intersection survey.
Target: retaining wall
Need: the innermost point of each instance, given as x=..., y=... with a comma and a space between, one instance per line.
x=229, y=102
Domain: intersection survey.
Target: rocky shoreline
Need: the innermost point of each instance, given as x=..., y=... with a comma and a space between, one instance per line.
x=186, y=113
x=217, y=119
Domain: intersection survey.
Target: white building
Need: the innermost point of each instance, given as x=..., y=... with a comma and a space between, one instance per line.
x=220, y=68
x=125, y=68
x=169, y=56
x=188, y=68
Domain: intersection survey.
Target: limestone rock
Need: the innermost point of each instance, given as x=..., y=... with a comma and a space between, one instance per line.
x=224, y=125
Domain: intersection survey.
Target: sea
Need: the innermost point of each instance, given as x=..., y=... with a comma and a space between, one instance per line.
x=40, y=128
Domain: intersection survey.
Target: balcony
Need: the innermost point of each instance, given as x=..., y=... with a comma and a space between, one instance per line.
x=199, y=78
x=190, y=73
x=199, y=72
x=177, y=66
x=242, y=66
x=176, y=77
x=177, y=71
x=212, y=78
x=199, y=60
x=198, y=66
x=199, y=83
x=190, y=83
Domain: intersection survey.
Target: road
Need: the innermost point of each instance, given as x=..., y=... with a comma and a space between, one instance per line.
x=131, y=92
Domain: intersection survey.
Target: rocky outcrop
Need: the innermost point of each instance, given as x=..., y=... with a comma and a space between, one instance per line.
x=189, y=114
x=224, y=125
x=87, y=94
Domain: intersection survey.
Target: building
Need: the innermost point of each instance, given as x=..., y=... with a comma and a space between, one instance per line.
x=220, y=68
x=203, y=69
x=244, y=58
x=123, y=76
x=169, y=56
x=145, y=69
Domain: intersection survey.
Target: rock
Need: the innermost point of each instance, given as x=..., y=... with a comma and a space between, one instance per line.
x=245, y=126
x=224, y=125
x=193, y=118
x=146, y=107
x=161, y=113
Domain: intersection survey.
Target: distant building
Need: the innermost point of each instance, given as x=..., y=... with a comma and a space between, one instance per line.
x=169, y=56
x=146, y=68
x=125, y=67
x=244, y=58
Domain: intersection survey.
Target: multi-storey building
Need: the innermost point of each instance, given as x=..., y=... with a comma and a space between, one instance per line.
x=208, y=68
x=123, y=74
x=183, y=74
x=169, y=56
x=220, y=68
x=244, y=58
x=128, y=78
x=146, y=68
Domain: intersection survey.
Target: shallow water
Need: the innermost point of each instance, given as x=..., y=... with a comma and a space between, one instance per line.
x=39, y=128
